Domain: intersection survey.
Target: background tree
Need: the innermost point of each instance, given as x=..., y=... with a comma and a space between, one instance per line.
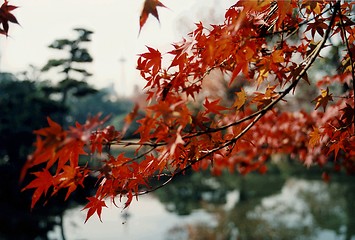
x=26, y=101
x=102, y=102
x=23, y=106
x=74, y=82
x=272, y=45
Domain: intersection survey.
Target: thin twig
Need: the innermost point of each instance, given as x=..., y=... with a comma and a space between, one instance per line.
x=292, y=29
x=157, y=187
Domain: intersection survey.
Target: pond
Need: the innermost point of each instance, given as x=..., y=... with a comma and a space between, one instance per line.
x=278, y=205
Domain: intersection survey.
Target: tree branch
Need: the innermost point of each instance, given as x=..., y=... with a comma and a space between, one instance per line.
x=259, y=114
x=262, y=111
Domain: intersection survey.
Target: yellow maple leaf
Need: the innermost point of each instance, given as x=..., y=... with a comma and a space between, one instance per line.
x=323, y=99
x=315, y=137
x=241, y=99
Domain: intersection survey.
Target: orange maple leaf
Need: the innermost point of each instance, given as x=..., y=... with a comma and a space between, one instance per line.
x=69, y=178
x=150, y=7
x=315, y=137
x=264, y=99
x=241, y=99
x=284, y=8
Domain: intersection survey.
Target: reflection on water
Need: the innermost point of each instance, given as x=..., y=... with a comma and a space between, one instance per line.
x=145, y=219
x=198, y=206
x=295, y=211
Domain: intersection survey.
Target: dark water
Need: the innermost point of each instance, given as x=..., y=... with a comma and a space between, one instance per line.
x=283, y=204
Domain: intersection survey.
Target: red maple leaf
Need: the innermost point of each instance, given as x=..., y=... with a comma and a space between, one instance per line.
x=94, y=205
x=152, y=60
x=336, y=146
x=6, y=16
x=213, y=106
x=42, y=183
x=150, y=7
x=348, y=114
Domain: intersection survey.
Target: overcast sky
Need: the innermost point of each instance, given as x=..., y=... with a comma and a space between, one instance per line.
x=115, y=24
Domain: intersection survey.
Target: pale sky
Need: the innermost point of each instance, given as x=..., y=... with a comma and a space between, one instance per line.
x=115, y=24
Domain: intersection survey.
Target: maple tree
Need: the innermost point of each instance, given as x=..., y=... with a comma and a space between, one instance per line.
x=271, y=46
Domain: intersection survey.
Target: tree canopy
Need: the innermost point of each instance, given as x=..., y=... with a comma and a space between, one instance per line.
x=262, y=53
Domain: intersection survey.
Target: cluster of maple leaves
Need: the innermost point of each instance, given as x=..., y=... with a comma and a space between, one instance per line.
x=269, y=44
